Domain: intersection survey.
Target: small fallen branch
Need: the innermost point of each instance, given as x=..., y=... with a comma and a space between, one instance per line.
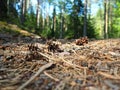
x=37, y=73
x=62, y=59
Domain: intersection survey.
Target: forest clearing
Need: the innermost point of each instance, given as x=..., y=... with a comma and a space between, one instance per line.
x=29, y=65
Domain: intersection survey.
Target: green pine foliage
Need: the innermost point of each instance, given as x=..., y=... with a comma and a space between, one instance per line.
x=115, y=32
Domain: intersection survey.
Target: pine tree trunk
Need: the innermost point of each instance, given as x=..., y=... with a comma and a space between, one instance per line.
x=47, y=17
x=85, y=19
x=54, y=22
x=24, y=10
x=89, y=5
x=101, y=21
x=109, y=18
x=105, y=20
x=61, y=25
x=8, y=7
x=3, y=9
x=38, y=14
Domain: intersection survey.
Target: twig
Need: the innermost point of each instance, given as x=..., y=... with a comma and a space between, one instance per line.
x=51, y=76
x=47, y=56
x=61, y=59
x=37, y=73
x=110, y=84
x=18, y=76
x=108, y=75
x=74, y=65
x=6, y=80
x=62, y=84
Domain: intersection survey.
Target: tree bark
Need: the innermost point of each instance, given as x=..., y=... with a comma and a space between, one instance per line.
x=38, y=14
x=54, y=22
x=105, y=19
x=3, y=9
x=85, y=19
x=24, y=10
x=89, y=5
x=61, y=25
x=8, y=7
x=110, y=18
x=101, y=22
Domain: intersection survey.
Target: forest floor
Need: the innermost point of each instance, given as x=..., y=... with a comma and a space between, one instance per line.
x=27, y=64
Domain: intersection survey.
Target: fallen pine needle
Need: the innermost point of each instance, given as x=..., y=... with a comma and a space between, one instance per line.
x=33, y=77
x=108, y=75
x=51, y=76
x=73, y=65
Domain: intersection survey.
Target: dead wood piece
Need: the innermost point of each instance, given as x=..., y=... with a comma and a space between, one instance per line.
x=33, y=77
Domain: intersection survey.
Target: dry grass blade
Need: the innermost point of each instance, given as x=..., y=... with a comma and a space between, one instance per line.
x=33, y=77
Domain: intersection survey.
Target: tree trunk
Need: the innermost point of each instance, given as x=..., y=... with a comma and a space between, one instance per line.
x=27, y=4
x=8, y=7
x=105, y=19
x=85, y=19
x=3, y=9
x=38, y=14
x=101, y=21
x=89, y=5
x=61, y=24
x=54, y=22
x=109, y=18
x=24, y=10
x=47, y=17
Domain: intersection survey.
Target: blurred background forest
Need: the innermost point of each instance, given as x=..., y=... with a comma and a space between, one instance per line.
x=63, y=18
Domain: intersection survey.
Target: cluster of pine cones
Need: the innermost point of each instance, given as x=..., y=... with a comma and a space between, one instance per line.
x=82, y=41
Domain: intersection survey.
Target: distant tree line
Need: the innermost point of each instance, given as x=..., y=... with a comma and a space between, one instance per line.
x=67, y=19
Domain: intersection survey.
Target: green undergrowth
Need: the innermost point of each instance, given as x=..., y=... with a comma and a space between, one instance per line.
x=12, y=29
